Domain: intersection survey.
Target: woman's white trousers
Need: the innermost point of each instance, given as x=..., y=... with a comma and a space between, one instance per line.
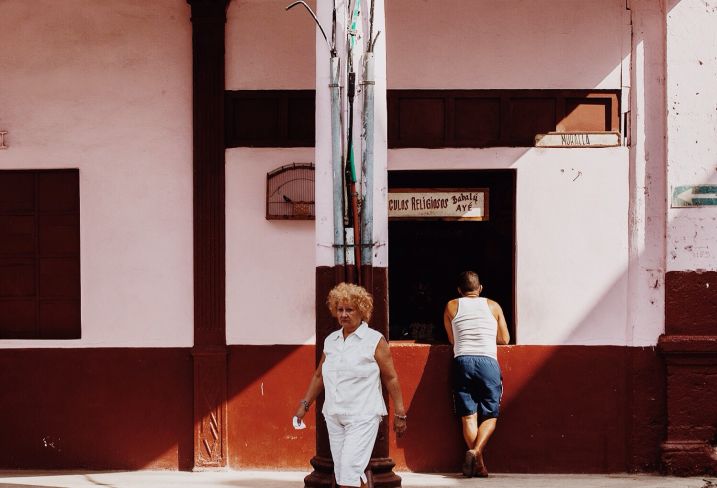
x=351, y=438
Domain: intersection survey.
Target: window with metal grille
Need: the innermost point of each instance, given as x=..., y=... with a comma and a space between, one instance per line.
x=290, y=192
x=39, y=254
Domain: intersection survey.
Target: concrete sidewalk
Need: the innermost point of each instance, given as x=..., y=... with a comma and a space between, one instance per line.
x=293, y=479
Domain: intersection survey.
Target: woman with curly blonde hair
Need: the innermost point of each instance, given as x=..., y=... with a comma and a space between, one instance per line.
x=355, y=360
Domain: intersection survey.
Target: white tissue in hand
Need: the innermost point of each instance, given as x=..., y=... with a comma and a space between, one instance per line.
x=298, y=423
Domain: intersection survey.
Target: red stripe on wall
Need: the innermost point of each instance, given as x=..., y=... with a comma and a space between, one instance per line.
x=566, y=409
x=265, y=386
x=570, y=409
x=96, y=408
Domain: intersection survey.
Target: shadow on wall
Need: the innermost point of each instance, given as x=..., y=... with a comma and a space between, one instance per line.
x=433, y=441
x=264, y=386
x=132, y=408
x=566, y=409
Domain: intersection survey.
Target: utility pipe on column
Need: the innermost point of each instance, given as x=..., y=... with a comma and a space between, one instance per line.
x=368, y=155
x=353, y=216
x=337, y=160
x=367, y=208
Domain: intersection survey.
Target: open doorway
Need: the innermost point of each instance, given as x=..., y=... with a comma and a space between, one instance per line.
x=426, y=255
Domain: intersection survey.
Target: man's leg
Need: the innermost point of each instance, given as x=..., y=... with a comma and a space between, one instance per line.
x=470, y=429
x=485, y=430
x=469, y=424
x=490, y=392
x=476, y=437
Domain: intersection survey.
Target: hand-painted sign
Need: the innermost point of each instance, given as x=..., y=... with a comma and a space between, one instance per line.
x=694, y=196
x=438, y=203
x=578, y=139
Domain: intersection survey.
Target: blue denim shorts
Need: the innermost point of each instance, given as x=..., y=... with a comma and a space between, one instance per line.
x=477, y=386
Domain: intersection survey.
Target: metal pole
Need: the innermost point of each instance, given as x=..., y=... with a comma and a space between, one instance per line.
x=337, y=162
x=368, y=128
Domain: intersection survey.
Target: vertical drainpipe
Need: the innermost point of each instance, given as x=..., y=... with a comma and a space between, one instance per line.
x=336, y=162
x=367, y=209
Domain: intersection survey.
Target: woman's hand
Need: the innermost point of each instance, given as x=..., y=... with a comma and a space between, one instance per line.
x=300, y=411
x=390, y=380
x=316, y=386
x=399, y=426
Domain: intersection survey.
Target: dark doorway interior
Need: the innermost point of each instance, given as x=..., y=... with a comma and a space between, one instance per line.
x=425, y=256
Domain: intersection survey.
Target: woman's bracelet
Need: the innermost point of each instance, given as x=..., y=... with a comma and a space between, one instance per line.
x=400, y=417
x=305, y=404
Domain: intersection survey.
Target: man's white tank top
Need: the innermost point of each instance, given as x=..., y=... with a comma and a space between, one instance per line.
x=474, y=329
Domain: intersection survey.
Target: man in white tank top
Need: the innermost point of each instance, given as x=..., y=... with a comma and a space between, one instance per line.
x=475, y=326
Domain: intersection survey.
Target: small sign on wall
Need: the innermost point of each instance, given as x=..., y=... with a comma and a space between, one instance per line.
x=438, y=203
x=3, y=133
x=694, y=196
x=578, y=139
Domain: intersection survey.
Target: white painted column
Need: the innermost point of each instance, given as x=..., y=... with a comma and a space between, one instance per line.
x=646, y=312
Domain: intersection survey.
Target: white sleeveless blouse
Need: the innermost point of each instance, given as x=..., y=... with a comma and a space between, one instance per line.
x=352, y=379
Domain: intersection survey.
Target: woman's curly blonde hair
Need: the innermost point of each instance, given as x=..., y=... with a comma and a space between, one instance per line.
x=353, y=294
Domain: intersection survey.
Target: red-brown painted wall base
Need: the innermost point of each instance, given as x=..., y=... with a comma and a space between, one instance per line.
x=566, y=409
x=96, y=408
x=690, y=351
x=692, y=410
x=265, y=384
x=691, y=303
x=569, y=409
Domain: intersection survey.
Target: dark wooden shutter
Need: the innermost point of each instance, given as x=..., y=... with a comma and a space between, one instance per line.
x=39, y=254
x=494, y=118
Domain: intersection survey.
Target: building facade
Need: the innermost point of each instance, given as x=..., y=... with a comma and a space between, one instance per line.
x=157, y=312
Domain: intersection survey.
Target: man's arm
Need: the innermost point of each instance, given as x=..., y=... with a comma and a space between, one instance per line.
x=503, y=336
x=448, y=313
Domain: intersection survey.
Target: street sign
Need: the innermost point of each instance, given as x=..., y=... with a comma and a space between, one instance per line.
x=438, y=203
x=578, y=139
x=694, y=196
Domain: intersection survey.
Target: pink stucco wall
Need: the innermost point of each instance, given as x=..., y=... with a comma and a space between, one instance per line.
x=599, y=210
x=506, y=44
x=109, y=91
x=267, y=47
x=106, y=87
x=270, y=263
x=572, y=261
x=571, y=224
x=691, y=38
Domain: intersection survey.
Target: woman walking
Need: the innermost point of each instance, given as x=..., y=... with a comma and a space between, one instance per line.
x=355, y=360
